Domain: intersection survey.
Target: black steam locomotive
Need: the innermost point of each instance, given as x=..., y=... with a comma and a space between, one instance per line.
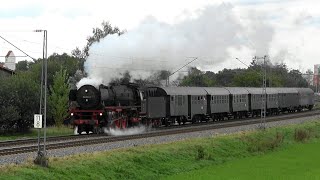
x=116, y=106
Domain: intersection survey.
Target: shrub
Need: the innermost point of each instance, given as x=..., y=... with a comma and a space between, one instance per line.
x=200, y=153
x=265, y=143
x=301, y=135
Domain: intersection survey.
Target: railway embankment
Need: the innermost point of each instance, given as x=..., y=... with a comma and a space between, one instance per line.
x=162, y=160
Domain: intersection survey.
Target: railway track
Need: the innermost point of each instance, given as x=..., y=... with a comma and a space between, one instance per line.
x=74, y=141
x=48, y=139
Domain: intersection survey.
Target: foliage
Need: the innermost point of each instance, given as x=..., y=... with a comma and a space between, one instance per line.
x=72, y=65
x=18, y=90
x=301, y=135
x=97, y=35
x=277, y=76
x=58, y=99
x=198, y=78
x=22, y=65
x=19, y=101
x=248, y=78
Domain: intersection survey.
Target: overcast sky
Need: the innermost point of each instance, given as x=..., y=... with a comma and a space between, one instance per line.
x=295, y=25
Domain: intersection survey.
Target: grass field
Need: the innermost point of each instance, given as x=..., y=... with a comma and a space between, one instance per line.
x=51, y=131
x=190, y=156
x=299, y=161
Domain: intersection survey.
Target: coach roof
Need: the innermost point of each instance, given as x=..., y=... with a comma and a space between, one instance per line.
x=184, y=90
x=237, y=90
x=305, y=90
x=217, y=91
x=287, y=90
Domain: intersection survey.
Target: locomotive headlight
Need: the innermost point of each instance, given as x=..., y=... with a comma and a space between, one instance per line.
x=71, y=114
x=100, y=114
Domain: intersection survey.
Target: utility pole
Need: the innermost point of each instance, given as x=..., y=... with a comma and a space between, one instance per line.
x=41, y=158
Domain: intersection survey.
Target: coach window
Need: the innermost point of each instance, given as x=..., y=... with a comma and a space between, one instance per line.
x=179, y=102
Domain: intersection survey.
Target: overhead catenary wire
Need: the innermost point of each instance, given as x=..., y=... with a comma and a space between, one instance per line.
x=17, y=48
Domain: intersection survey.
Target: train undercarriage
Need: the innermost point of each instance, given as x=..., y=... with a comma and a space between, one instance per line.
x=117, y=117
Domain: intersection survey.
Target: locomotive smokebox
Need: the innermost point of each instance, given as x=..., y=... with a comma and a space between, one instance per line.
x=88, y=97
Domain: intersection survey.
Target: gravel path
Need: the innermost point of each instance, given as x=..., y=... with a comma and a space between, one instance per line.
x=20, y=158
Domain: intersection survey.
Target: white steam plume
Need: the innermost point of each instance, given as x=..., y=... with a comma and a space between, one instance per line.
x=155, y=45
x=127, y=131
x=96, y=81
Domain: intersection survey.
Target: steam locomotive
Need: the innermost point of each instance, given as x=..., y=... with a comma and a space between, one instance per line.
x=115, y=106
x=127, y=105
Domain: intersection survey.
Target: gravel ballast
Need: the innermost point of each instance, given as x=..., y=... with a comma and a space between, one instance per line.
x=21, y=158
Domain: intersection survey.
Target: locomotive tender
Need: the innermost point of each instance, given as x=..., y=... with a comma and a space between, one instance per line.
x=122, y=106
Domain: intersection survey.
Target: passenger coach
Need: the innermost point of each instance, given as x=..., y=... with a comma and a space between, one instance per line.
x=195, y=104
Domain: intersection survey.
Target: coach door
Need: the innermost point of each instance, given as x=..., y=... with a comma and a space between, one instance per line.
x=168, y=106
x=189, y=106
x=208, y=104
x=230, y=102
x=249, y=102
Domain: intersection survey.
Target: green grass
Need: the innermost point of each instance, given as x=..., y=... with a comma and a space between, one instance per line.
x=299, y=161
x=51, y=131
x=160, y=161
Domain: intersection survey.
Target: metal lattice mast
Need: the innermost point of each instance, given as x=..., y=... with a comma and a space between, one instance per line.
x=41, y=158
x=264, y=94
x=264, y=91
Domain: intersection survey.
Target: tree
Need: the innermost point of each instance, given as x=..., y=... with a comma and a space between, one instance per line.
x=55, y=63
x=225, y=77
x=77, y=53
x=58, y=99
x=198, y=78
x=22, y=65
x=99, y=34
x=19, y=101
x=248, y=78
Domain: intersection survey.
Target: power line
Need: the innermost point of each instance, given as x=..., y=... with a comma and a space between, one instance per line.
x=184, y=66
x=249, y=66
x=17, y=48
